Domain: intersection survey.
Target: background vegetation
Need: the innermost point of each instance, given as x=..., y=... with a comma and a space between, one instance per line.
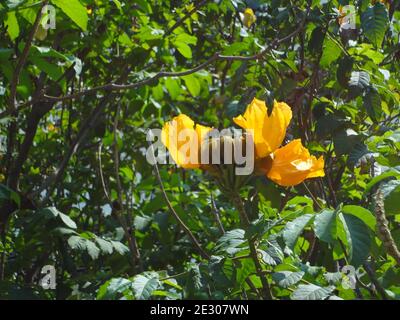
x=77, y=193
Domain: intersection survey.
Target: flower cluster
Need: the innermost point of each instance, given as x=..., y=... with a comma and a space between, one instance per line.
x=286, y=165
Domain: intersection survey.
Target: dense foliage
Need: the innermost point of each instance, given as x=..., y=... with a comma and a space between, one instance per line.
x=76, y=190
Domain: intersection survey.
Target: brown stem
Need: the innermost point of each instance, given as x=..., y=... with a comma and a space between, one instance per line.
x=383, y=227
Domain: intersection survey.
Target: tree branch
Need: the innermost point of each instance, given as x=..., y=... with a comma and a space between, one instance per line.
x=167, y=74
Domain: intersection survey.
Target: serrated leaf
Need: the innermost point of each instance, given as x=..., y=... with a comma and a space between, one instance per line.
x=230, y=241
x=120, y=247
x=144, y=285
x=104, y=245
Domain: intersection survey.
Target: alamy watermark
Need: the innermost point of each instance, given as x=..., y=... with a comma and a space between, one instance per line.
x=48, y=17
x=348, y=17
x=350, y=276
x=48, y=281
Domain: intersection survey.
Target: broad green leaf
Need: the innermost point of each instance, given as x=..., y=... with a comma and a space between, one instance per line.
x=373, y=103
x=144, y=285
x=312, y=292
x=358, y=238
x=331, y=52
x=391, y=195
x=104, y=245
x=193, y=84
x=361, y=213
x=111, y=288
x=244, y=271
x=374, y=22
x=11, y=23
x=325, y=225
x=358, y=83
x=75, y=10
x=173, y=87
x=184, y=49
x=286, y=279
x=67, y=220
x=230, y=241
x=294, y=228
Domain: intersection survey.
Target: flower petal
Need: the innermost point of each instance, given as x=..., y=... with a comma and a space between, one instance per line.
x=292, y=164
x=181, y=140
x=269, y=130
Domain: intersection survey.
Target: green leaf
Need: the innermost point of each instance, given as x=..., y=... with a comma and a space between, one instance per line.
x=363, y=214
x=193, y=84
x=373, y=103
x=374, y=21
x=358, y=238
x=11, y=23
x=7, y=194
x=67, y=220
x=244, y=271
x=92, y=249
x=311, y=292
x=104, y=245
x=331, y=52
x=294, y=228
x=391, y=195
x=183, y=49
x=325, y=226
x=286, y=279
x=230, y=241
x=358, y=83
x=358, y=152
x=111, y=288
x=120, y=247
x=75, y=10
x=173, y=87
x=144, y=285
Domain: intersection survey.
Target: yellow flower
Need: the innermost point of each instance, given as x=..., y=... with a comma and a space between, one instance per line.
x=292, y=164
x=268, y=130
x=183, y=139
x=286, y=166
x=248, y=17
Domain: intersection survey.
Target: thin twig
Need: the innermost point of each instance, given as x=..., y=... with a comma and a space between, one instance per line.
x=133, y=247
x=174, y=213
x=188, y=14
x=217, y=215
